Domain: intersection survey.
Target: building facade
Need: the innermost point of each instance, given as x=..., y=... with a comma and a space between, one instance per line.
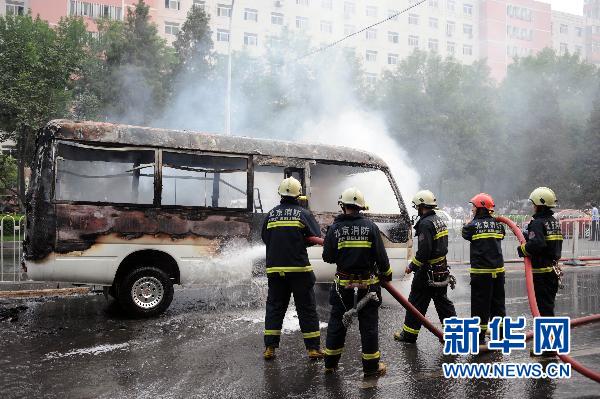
x=568, y=33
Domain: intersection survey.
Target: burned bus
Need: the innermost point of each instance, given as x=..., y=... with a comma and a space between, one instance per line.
x=134, y=209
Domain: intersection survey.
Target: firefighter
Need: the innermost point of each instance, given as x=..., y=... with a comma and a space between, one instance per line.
x=544, y=246
x=288, y=269
x=354, y=244
x=487, y=263
x=432, y=274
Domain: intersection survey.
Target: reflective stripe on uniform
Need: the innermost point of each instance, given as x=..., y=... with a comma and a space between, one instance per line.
x=542, y=270
x=285, y=223
x=370, y=281
x=437, y=260
x=523, y=249
x=487, y=235
x=410, y=330
x=272, y=332
x=416, y=262
x=289, y=269
x=388, y=272
x=333, y=352
x=554, y=237
x=313, y=334
x=493, y=272
x=483, y=326
x=354, y=244
x=441, y=234
x=371, y=356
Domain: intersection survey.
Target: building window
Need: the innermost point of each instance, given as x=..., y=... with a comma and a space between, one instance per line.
x=371, y=11
x=199, y=4
x=392, y=59
x=349, y=9
x=15, y=7
x=413, y=41
x=450, y=5
x=371, y=56
x=302, y=2
x=564, y=28
x=564, y=48
x=172, y=4
x=450, y=27
x=467, y=50
x=222, y=35
x=413, y=19
x=224, y=10
x=326, y=27
x=250, y=39
x=349, y=29
x=371, y=34
x=579, y=31
x=302, y=23
x=393, y=37
x=433, y=23
x=468, y=9
x=578, y=49
x=276, y=18
x=371, y=78
x=450, y=47
x=171, y=28
x=250, y=14
x=91, y=10
x=522, y=13
x=468, y=30
x=434, y=3
x=433, y=45
x=393, y=15
x=327, y=4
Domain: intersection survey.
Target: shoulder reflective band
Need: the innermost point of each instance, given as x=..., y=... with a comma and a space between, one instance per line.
x=369, y=281
x=487, y=235
x=311, y=334
x=542, y=270
x=493, y=272
x=333, y=352
x=289, y=269
x=272, y=332
x=285, y=223
x=554, y=237
x=371, y=356
x=523, y=249
x=417, y=262
x=410, y=330
x=354, y=244
x=441, y=234
x=437, y=260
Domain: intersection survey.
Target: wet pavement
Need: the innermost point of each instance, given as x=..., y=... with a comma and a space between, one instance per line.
x=209, y=345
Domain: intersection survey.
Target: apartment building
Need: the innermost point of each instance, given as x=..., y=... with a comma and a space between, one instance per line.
x=568, y=33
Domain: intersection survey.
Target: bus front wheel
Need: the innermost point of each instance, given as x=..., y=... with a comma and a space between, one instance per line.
x=145, y=292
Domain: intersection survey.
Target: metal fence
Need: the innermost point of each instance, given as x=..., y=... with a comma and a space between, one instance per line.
x=12, y=233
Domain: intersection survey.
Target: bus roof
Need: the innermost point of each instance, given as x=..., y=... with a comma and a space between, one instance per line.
x=101, y=132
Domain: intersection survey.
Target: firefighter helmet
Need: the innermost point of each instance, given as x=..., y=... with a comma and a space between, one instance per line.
x=353, y=196
x=483, y=200
x=543, y=196
x=290, y=187
x=424, y=197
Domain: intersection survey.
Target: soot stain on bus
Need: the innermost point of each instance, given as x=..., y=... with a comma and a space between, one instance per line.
x=63, y=227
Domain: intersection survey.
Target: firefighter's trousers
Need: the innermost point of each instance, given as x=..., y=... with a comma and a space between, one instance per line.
x=281, y=287
x=421, y=294
x=487, y=297
x=546, y=287
x=342, y=300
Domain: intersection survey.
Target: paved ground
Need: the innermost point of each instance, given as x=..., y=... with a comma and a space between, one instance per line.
x=209, y=344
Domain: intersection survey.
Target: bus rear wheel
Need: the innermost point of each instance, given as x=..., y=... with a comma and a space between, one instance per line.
x=145, y=292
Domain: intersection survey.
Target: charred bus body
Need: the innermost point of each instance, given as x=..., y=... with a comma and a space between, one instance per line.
x=135, y=208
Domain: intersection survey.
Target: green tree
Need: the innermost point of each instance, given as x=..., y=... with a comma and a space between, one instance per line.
x=38, y=64
x=194, y=43
x=8, y=175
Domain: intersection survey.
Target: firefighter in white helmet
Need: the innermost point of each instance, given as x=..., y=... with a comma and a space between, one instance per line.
x=288, y=269
x=354, y=244
x=432, y=275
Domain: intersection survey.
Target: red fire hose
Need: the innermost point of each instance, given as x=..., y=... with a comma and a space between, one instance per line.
x=535, y=311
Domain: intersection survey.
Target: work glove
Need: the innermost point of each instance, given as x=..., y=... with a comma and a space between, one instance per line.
x=520, y=252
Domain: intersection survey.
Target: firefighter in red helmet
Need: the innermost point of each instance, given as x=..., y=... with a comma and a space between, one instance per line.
x=487, y=263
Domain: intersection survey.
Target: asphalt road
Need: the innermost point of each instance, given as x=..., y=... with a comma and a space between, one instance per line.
x=209, y=345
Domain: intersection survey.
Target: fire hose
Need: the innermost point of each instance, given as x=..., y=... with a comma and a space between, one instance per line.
x=530, y=294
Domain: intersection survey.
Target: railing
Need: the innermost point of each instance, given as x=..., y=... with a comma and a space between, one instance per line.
x=12, y=233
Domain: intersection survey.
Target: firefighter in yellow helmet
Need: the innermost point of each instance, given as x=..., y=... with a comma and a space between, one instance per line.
x=354, y=244
x=432, y=275
x=288, y=269
x=544, y=246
